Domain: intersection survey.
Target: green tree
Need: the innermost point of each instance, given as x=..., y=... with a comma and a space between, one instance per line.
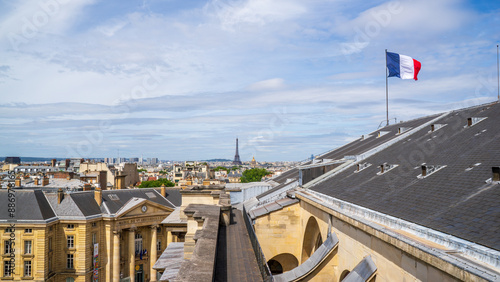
x=222, y=168
x=254, y=175
x=141, y=170
x=156, y=183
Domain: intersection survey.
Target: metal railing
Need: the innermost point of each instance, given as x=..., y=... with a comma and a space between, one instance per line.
x=259, y=255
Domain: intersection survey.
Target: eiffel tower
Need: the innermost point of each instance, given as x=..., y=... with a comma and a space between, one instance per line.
x=237, y=160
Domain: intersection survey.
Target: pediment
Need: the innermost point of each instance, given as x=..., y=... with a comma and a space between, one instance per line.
x=140, y=206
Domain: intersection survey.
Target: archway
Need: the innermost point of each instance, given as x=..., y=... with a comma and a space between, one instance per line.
x=275, y=267
x=284, y=262
x=344, y=274
x=312, y=239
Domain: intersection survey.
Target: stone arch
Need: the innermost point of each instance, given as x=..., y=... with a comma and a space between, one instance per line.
x=285, y=260
x=344, y=274
x=275, y=267
x=312, y=238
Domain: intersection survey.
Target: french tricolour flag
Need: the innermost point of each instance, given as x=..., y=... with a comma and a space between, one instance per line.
x=402, y=66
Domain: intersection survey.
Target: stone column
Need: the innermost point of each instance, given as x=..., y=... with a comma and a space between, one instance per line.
x=116, y=256
x=131, y=254
x=152, y=259
x=169, y=237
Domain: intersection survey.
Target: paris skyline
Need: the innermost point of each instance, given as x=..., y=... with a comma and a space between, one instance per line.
x=183, y=79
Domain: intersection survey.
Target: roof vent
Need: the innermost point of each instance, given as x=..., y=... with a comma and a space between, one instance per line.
x=496, y=173
x=472, y=166
x=362, y=166
x=429, y=169
x=382, y=133
x=403, y=129
x=436, y=126
x=385, y=167
x=474, y=120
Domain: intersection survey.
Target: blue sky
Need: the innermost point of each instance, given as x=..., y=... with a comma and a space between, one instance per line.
x=182, y=79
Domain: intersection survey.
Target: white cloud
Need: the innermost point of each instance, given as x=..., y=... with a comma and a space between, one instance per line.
x=255, y=12
x=270, y=84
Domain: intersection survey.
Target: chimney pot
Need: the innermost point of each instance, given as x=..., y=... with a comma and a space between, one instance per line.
x=382, y=168
x=432, y=128
x=469, y=121
x=496, y=173
x=424, y=170
x=18, y=182
x=358, y=167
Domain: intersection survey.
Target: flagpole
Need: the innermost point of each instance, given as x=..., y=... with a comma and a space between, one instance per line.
x=498, y=76
x=387, y=91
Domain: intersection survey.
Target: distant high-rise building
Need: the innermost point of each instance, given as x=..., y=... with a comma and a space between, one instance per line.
x=134, y=160
x=237, y=160
x=13, y=160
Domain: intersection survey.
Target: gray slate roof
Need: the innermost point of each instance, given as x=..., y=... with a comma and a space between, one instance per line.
x=30, y=205
x=123, y=196
x=456, y=199
x=38, y=205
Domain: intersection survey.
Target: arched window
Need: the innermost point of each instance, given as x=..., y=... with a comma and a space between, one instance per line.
x=275, y=267
x=70, y=279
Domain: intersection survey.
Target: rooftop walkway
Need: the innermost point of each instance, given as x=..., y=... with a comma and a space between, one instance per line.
x=235, y=256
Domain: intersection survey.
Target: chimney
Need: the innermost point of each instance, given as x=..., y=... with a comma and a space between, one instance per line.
x=60, y=195
x=18, y=182
x=37, y=181
x=382, y=166
x=163, y=191
x=424, y=170
x=102, y=179
x=53, y=162
x=86, y=187
x=358, y=167
x=68, y=177
x=469, y=121
x=399, y=130
x=67, y=163
x=98, y=196
x=496, y=173
x=45, y=181
x=432, y=127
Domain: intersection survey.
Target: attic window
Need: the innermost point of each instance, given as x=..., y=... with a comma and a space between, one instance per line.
x=382, y=133
x=385, y=167
x=403, y=129
x=113, y=197
x=362, y=166
x=429, y=169
x=474, y=120
x=150, y=195
x=436, y=126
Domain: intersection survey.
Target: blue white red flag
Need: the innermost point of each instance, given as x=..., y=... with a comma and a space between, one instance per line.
x=402, y=66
